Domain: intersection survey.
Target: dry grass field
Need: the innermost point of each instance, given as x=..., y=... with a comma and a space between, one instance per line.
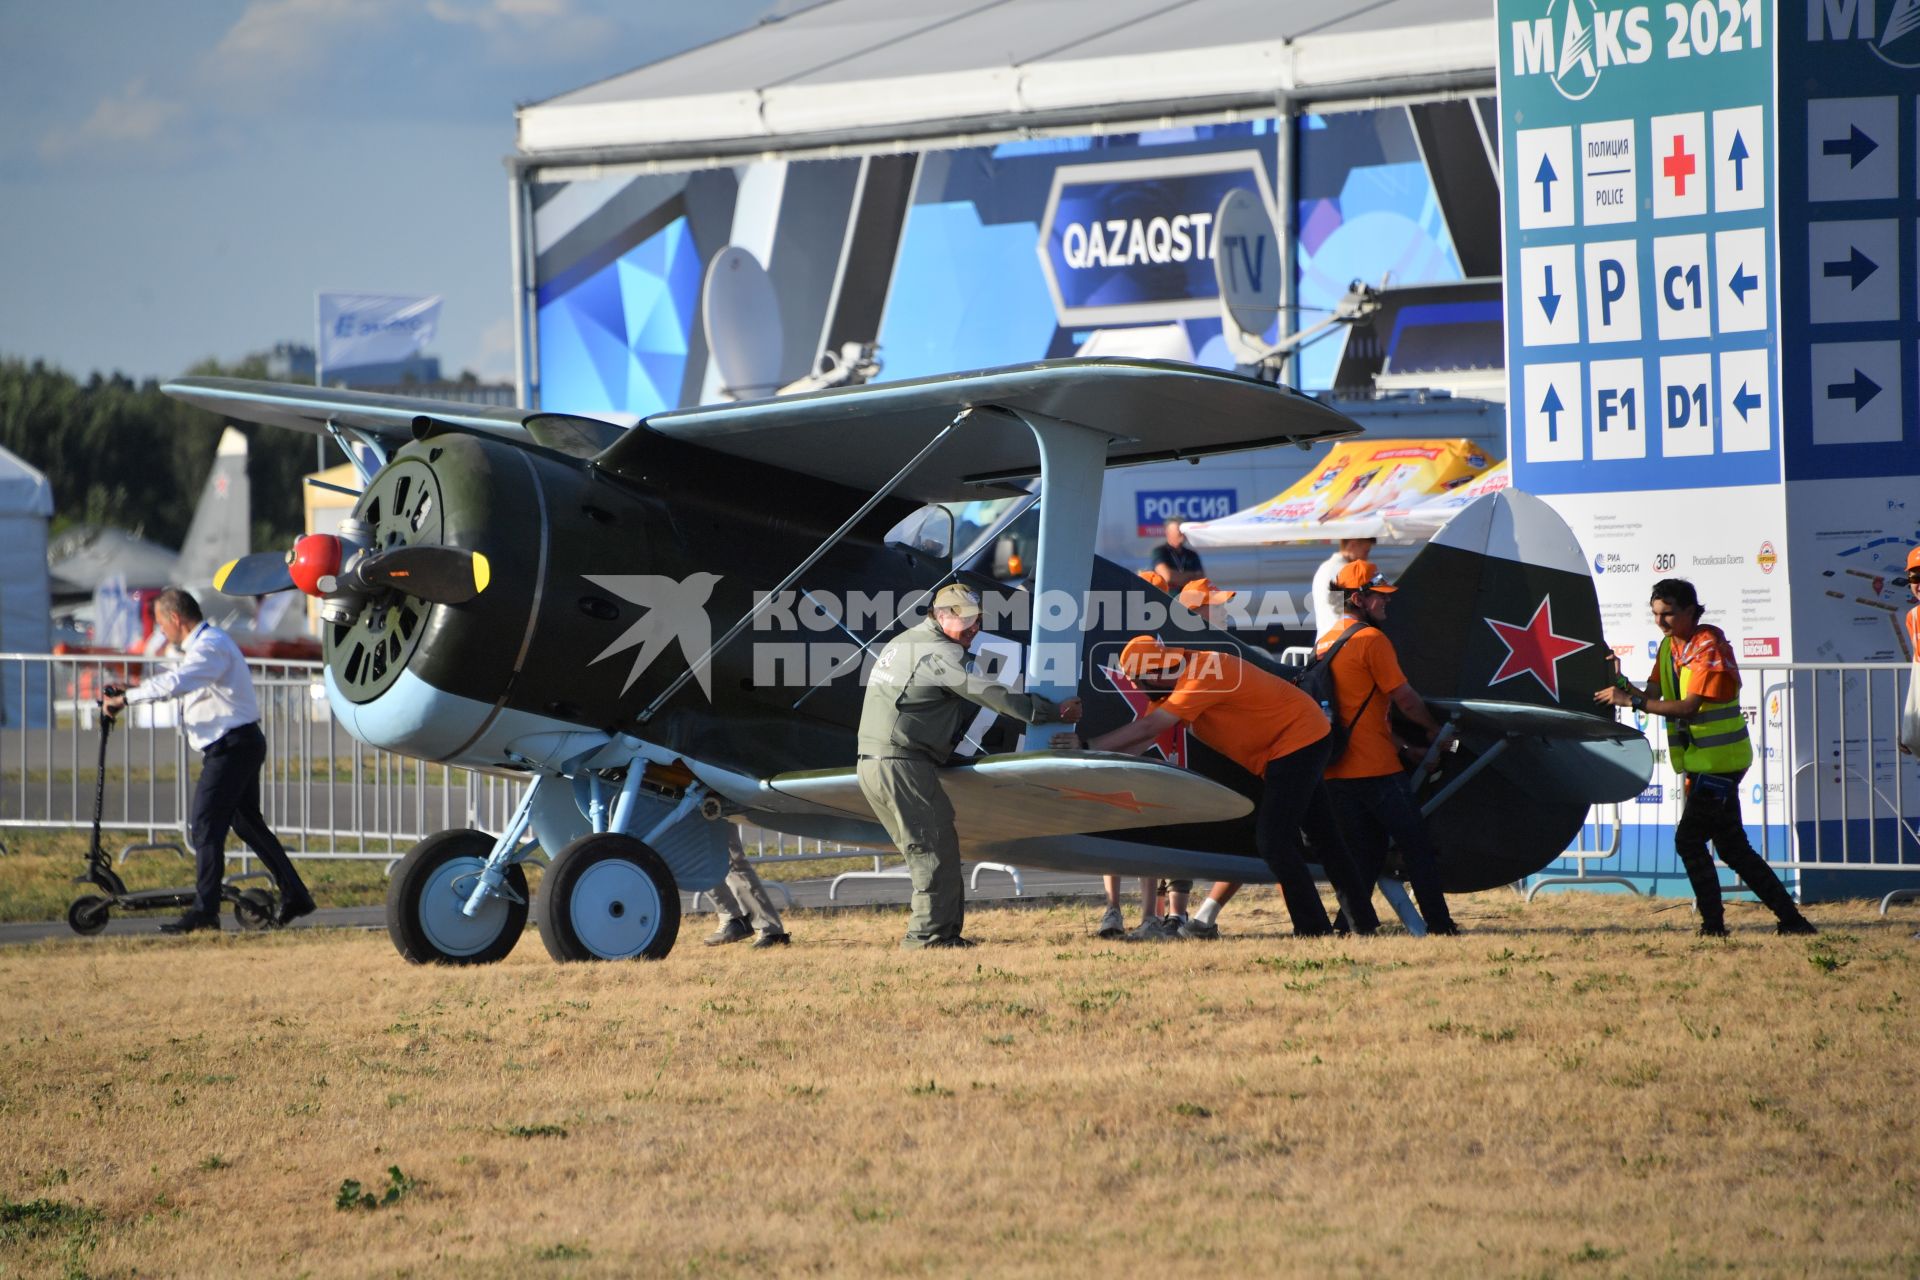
x=1577, y=1088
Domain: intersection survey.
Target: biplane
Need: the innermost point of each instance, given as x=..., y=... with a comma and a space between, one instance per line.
x=663, y=625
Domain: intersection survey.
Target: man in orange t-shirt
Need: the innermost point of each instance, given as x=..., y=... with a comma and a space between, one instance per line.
x=1273, y=731
x=1913, y=614
x=1366, y=784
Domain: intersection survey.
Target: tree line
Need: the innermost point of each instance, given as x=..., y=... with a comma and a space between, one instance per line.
x=120, y=453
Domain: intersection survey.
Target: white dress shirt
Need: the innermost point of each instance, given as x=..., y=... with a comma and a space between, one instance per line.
x=1328, y=604
x=212, y=682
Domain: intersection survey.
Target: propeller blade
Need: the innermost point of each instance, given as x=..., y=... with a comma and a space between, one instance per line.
x=260, y=574
x=440, y=575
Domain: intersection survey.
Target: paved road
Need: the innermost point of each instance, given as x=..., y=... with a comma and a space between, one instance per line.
x=806, y=894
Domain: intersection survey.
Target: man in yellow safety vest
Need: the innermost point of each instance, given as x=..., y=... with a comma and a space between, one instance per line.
x=1695, y=687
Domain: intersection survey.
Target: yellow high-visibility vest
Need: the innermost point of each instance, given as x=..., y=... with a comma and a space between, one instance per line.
x=1715, y=740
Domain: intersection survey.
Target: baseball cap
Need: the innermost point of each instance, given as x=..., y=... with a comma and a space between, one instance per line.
x=1153, y=579
x=1146, y=656
x=962, y=601
x=1199, y=593
x=1362, y=575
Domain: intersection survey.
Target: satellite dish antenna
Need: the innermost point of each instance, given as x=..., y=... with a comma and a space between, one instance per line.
x=741, y=317
x=1246, y=268
x=1247, y=263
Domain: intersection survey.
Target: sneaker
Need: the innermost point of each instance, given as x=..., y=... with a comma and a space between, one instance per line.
x=772, y=938
x=1112, y=925
x=1152, y=929
x=1797, y=924
x=952, y=940
x=1199, y=929
x=732, y=929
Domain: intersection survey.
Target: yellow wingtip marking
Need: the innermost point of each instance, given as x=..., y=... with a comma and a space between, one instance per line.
x=220, y=578
x=482, y=572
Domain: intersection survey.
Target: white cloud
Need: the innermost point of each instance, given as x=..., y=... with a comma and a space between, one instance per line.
x=276, y=38
x=530, y=30
x=133, y=117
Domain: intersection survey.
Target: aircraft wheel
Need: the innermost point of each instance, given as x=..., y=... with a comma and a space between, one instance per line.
x=608, y=897
x=253, y=910
x=427, y=894
x=88, y=916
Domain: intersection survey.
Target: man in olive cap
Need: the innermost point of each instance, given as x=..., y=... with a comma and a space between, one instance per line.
x=917, y=696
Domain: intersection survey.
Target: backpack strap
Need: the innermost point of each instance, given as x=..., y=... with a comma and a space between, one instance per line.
x=1328, y=659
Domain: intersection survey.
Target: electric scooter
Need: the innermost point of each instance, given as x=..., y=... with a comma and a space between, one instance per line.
x=253, y=909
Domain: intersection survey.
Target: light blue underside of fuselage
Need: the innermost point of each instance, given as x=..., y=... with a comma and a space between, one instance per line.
x=416, y=719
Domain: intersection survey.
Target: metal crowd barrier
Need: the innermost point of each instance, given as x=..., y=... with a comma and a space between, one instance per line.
x=1829, y=793
x=326, y=794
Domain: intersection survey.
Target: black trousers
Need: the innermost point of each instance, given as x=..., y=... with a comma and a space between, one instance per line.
x=1372, y=811
x=1294, y=801
x=228, y=798
x=1712, y=813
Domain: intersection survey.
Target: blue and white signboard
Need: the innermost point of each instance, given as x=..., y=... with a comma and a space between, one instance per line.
x=1133, y=240
x=1155, y=507
x=1846, y=177
x=1638, y=244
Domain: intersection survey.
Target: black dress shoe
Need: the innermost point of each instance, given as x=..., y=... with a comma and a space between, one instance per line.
x=1796, y=925
x=950, y=941
x=772, y=938
x=191, y=923
x=1713, y=931
x=291, y=911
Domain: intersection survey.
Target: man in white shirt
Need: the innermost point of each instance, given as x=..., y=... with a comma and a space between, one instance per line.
x=222, y=722
x=1328, y=602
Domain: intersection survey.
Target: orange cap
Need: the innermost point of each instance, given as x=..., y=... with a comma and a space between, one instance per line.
x=1153, y=579
x=1913, y=559
x=1362, y=575
x=1147, y=656
x=1199, y=593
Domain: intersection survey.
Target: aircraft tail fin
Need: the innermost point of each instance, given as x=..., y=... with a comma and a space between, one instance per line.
x=1498, y=626
x=222, y=524
x=1500, y=606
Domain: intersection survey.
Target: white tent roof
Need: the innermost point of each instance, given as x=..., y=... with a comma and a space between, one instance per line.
x=23, y=490
x=852, y=71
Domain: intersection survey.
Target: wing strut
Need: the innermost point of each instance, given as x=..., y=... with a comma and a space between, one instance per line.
x=767, y=600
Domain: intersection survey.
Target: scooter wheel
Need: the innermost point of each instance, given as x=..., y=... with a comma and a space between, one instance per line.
x=254, y=910
x=88, y=916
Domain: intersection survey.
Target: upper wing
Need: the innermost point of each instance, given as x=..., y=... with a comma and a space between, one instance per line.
x=1045, y=793
x=1149, y=410
x=309, y=409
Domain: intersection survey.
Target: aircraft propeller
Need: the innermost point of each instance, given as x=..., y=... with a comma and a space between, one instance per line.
x=437, y=575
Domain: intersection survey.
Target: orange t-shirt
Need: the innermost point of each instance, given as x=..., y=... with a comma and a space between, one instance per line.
x=1365, y=665
x=1250, y=716
x=1708, y=660
x=1913, y=633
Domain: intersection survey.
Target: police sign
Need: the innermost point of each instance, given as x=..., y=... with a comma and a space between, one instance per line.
x=1133, y=241
x=1155, y=509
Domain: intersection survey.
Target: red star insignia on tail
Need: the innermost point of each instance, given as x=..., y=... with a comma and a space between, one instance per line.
x=1535, y=650
x=1173, y=743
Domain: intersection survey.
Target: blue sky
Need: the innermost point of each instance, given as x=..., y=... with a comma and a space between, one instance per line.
x=178, y=179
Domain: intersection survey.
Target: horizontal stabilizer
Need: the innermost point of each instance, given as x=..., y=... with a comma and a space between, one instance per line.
x=1045, y=793
x=1534, y=720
